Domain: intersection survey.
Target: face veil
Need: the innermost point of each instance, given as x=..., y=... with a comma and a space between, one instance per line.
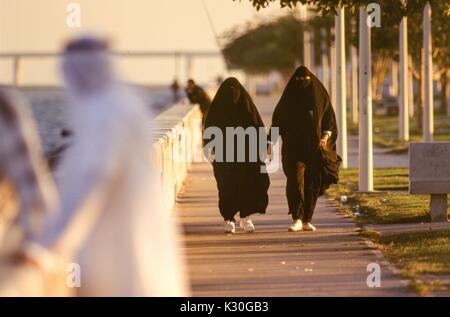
x=304, y=92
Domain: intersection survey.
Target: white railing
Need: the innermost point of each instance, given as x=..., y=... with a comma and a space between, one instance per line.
x=18, y=57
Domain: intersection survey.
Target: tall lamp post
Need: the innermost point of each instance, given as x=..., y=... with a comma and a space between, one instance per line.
x=306, y=38
x=325, y=63
x=365, y=104
x=404, y=87
x=341, y=81
x=354, y=78
x=428, y=128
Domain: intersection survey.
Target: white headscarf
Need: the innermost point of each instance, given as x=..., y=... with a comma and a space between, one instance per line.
x=87, y=66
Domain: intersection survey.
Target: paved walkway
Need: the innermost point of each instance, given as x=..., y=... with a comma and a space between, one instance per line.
x=272, y=261
x=402, y=228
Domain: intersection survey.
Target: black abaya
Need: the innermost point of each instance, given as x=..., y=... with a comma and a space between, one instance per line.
x=303, y=115
x=242, y=186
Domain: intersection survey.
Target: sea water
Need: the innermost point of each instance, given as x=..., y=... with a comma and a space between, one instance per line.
x=49, y=106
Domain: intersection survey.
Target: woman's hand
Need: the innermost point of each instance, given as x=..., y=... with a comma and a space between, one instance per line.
x=324, y=141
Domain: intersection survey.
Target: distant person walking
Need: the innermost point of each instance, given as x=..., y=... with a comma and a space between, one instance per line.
x=110, y=217
x=197, y=95
x=22, y=164
x=175, y=88
x=307, y=124
x=241, y=184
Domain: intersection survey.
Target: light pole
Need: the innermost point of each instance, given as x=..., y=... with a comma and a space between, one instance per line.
x=189, y=67
x=365, y=104
x=306, y=38
x=341, y=81
x=354, y=78
x=403, y=128
x=325, y=63
x=410, y=87
x=393, y=89
x=428, y=128
x=333, y=70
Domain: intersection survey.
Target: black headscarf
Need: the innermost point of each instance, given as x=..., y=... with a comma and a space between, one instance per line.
x=299, y=98
x=232, y=106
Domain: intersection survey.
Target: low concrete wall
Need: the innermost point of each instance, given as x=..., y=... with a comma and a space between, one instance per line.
x=176, y=140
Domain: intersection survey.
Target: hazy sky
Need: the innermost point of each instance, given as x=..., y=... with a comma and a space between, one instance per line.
x=40, y=25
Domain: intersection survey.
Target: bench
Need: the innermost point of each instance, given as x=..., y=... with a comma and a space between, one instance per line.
x=429, y=173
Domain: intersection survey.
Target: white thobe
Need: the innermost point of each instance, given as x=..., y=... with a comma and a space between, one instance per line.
x=111, y=216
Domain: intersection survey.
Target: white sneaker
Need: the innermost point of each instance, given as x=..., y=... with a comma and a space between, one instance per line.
x=247, y=224
x=309, y=227
x=296, y=226
x=229, y=227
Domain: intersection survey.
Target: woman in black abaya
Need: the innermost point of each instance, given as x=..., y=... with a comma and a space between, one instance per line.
x=241, y=184
x=307, y=124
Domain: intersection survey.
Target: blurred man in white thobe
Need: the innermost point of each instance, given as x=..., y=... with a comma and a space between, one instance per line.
x=110, y=216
